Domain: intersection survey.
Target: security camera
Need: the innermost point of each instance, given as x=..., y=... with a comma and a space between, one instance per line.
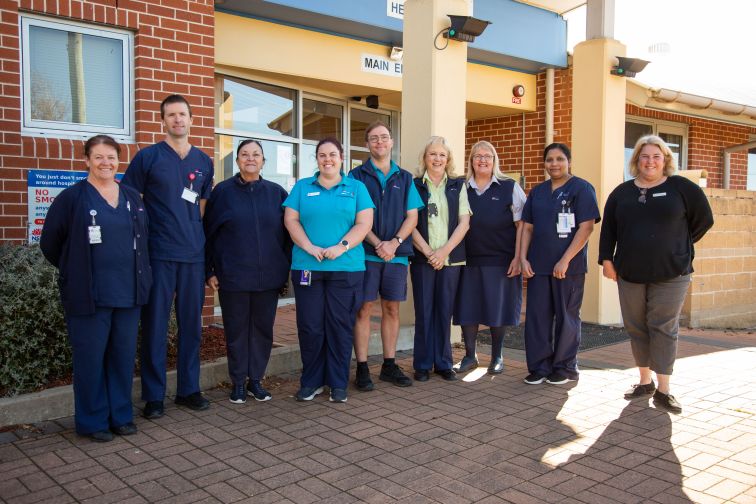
x=465, y=28
x=628, y=67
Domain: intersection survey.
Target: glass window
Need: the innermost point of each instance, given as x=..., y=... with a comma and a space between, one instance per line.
x=751, y=178
x=361, y=119
x=279, y=160
x=633, y=131
x=357, y=158
x=257, y=108
x=76, y=79
x=308, y=165
x=321, y=120
x=675, y=144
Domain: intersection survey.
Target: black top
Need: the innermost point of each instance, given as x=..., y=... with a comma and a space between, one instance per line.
x=653, y=241
x=65, y=243
x=247, y=247
x=492, y=235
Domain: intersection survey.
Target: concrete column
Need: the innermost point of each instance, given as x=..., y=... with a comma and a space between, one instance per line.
x=434, y=90
x=598, y=131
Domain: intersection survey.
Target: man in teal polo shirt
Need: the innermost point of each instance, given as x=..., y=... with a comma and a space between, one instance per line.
x=387, y=248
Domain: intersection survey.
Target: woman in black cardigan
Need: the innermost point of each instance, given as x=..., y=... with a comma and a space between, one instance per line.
x=248, y=256
x=650, y=226
x=95, y=233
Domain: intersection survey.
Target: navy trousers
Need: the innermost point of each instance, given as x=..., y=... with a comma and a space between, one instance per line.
x=552, y=324
x=326, y=312
x=248, y=319
x=434, y=294
x=185, y=281
x=104, y=349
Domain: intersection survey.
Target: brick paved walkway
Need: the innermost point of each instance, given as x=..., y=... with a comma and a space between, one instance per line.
x=479, y=440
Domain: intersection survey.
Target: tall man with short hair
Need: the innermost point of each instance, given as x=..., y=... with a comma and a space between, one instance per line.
x=175, y=180
x=387, y=247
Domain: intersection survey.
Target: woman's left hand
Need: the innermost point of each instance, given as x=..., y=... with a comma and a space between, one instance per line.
x=334, y=251
x=560, y=269
x=515, y=268
x=438, y=258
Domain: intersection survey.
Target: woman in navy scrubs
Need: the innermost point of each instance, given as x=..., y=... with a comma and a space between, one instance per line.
x=558, y=220
x=439, y=253
x=248, y=259
x=95, y=233
x=327, y=216
x=490, y=287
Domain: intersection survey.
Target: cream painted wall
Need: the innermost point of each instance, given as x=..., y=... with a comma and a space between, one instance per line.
x=598, y=127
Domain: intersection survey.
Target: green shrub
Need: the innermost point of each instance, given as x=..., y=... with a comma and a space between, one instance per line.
x=34, y=346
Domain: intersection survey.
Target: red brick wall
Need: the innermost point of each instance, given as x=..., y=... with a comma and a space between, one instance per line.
x=706, y=138
x=505, y=133
x=174, y=53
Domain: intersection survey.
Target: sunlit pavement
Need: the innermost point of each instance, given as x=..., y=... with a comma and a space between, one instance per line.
x=480, y=439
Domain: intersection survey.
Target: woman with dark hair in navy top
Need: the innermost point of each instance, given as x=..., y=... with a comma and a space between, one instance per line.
x=490, y=286
x=95, y=233
x=558, y=220
x=248, y=256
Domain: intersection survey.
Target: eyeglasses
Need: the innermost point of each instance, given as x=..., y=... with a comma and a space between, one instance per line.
x=376, y=138
x=642, y=197
x=483, y=157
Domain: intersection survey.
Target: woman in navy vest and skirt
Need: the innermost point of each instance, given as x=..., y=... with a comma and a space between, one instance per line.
x=490, y=287
x=247, y=256
x=439, y=253
x=95, y=233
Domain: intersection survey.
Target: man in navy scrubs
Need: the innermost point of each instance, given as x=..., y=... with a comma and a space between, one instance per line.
x=387, y=248
x=175, y=180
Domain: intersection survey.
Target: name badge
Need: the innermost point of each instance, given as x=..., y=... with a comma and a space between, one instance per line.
x=95, y=235
x=564, y=223
x=316, y=193
x=656, y=195
x=189, y=195
x=305, y=277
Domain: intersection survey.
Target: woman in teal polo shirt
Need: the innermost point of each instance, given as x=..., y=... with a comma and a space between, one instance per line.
x=327, y=216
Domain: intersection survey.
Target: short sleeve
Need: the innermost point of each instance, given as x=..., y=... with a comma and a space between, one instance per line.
x=586, y=206
x=135, y=175
x=527, y=209
x=292, y=201
x=518, y=201
x=364, y=201
x=464, y=203
x=207, y=187
x=414, y=201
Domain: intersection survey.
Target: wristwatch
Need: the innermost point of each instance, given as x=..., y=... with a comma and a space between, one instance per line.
x=345, y=244
x=399, y=239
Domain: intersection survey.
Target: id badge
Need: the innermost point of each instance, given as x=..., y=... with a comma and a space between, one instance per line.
x=305, y=277
x=95, y=235
x=189, y=195
x=572, y=219
x=563, y=223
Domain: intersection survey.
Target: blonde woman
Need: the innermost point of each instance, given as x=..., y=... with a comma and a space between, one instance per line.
x=490, y=286
x=650, y=226
x=439, y=253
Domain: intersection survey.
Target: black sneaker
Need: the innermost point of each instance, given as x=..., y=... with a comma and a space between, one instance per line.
x=447, y=374
x=557, y=378
x=238, y=394
x=422, y=375
x=100, y=436
x=308, y=393
x=534, y=379
x=639, y=390
x=393, y=373
x=667, y=402
x=338, y=395
x=193, y=401
x=153, y=410
x=362, y=379
x=256, y=390
x=125, y=429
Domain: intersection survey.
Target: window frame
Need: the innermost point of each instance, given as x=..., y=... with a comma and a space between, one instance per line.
x=56, y=129
x=668, y=127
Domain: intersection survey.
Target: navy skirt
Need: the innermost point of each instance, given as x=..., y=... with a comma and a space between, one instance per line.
x=486, y=296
